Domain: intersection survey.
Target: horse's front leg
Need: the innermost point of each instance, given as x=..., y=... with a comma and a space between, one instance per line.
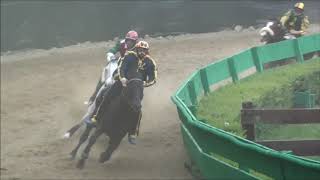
x=113, y=145
x=85, y=153
x=83, y=138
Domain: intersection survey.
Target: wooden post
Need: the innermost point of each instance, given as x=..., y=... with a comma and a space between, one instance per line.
x=247, y=120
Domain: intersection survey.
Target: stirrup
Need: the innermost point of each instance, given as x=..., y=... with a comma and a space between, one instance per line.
x=132, y=139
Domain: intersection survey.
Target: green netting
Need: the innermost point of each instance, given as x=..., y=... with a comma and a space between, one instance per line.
x=221, y=155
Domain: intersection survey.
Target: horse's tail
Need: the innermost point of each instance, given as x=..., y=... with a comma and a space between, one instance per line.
x=72, y=130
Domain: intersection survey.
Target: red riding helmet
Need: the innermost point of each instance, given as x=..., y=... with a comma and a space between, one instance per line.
x=133, y=35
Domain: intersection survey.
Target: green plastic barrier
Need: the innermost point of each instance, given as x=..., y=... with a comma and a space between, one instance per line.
x=304, y=100
x=221, y=155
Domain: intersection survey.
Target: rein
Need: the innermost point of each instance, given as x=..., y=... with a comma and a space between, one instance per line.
x=133, y=79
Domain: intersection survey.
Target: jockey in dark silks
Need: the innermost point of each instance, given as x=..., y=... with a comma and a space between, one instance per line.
x=147, y=68
x=122, y=47
x=106, y=80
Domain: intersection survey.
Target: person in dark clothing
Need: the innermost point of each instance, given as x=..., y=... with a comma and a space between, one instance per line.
x=145, y=65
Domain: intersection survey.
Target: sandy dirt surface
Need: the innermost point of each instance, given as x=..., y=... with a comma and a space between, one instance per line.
x=42, y=94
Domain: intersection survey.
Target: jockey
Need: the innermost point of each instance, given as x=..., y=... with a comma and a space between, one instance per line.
x=148, y=69
x=147, y=66
x=295, y=21
x=122, y=47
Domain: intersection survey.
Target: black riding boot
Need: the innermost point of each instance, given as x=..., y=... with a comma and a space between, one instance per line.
x=134, y=129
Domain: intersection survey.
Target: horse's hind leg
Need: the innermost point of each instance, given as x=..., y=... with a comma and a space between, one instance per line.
x=83, y=138
x=113, y=145
x=85, y=153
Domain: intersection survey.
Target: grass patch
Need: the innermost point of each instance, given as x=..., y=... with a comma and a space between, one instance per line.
x=273, y=88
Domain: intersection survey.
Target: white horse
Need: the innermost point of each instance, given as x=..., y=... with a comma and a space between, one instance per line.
x=107, y=80
x=274, y=32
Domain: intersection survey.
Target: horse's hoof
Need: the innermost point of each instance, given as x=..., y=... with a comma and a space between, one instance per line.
x=104, y=157
x=66, y=136
x=80, y=164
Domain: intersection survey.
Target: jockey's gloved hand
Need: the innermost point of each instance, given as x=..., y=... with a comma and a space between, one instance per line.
x=124, y=81
x=110, y=56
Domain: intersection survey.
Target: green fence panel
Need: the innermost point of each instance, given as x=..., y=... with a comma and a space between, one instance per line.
x=192, y=92
x=304, y=99
x=210, y=167
x=256, y=59
x=185, y=96
x=218, y=71
x=233, y=154
x=198, y=83
x=196, y=127
x=221, y=155
x=243, y=61
x=204, y=80
x=276, y=51
x=233, y=70
x=299, y=55
x=309, y=43
x=182, y=116
x=294, y=171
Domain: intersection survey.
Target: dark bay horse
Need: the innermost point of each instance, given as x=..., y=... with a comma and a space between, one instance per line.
x=118, y=117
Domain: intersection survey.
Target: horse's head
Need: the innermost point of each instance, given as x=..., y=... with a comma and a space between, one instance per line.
x=132, y=94
x=272, y=32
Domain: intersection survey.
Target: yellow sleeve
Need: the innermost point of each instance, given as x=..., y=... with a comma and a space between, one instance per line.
x=285, y=18
x=305, y=24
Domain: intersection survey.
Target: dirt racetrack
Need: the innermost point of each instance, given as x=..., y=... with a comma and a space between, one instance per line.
x=42, y=94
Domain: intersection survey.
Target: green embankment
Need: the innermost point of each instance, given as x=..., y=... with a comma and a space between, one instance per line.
x=273, y=88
